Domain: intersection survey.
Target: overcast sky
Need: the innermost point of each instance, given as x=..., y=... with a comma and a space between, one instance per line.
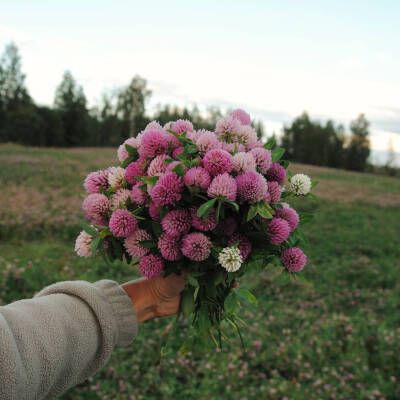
x=275, y=59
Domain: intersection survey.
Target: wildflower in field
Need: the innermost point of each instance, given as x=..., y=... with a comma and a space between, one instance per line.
x=278, y=230
x=197, y=176
x=196, y=246
x=182, y=125
x=169, y=247
x=242, y=116
x=132, y=243
x=82, y=245
x=230, y=258
x=168, y=190
x=294, y=259
x=243, y=162
x=157, y=166
x=244, y=244
x=153, y=144
x=96, y=206
x=151, y=266
x=96, y=180
x=135, y=169
x=223, y=186
x=122, y=223
x=251, y=187
x=227, y=126
x=262, y=158
x=122, y=153
x=171, y=166
x=275, y=191
x=203, y=224
x=177, y=151
x=207, y=141
x=247, y=135
x=119, y=198
x=154, y=212
x=138, y=194
x=116, y=176
x=299, y=184
x=217, y=162
x=191, y=199
x=276, y=173
x=177, y=222
x=290, y=215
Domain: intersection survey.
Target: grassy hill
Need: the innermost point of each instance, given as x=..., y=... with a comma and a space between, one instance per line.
x=335, y=337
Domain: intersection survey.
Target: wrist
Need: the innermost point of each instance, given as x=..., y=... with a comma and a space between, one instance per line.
x=141, y=297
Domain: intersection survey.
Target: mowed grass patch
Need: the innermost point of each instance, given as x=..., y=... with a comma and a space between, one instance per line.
x=335, y=336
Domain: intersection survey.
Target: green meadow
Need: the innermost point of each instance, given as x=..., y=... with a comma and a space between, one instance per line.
x=334, y=335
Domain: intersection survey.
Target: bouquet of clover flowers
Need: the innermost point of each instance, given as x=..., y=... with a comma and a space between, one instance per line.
x=209, y=203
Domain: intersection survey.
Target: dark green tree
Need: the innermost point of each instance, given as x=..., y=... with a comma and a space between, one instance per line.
x=358, y=150
x=70, y=102
x=131, y=106
x=14, y=97
x=314, y=143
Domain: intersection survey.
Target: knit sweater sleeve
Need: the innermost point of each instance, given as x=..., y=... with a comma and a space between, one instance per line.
x=61, y=337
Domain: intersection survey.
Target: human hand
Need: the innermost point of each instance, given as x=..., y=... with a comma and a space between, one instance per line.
x=155, y=297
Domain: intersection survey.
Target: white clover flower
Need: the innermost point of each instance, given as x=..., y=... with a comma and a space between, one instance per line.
x=299, y=184
x=230, y=258
x=116, y=177
x=82, y=245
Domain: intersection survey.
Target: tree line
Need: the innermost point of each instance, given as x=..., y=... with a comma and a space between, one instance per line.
x=121, y=113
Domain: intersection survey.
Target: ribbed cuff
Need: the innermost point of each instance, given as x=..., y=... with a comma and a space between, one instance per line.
x=123, y=311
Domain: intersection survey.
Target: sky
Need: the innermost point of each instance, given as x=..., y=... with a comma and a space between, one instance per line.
x=274, y=59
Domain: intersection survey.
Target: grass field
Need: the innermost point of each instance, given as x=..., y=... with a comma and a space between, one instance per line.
x=335, y=337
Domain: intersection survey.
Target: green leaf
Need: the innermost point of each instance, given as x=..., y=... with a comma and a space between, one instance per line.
x=104, y=233
x=246, y=295
x=252, y=212
x=179, y=170
x=131, y=150
x=203, y=319
x=148, y=244
x=169, y=161
x=301, y=235
x=285, y=164
x=206, y=207
x=231, y=303
x=187, y=303
x=127, y=161
x=156, y=227
x=314, y=183
x=191, y=148
x=233, y=204
x=150, y=180
x=264, y=210
x=312, y=197
x=270, y=144
x=94, y=244
x=215, y=250
x=277, y=154
x=196, y=292
x=219, y=277
x=89, y=229
x=193, y=281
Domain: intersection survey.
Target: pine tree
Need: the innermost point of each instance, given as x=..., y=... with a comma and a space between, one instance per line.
x=70, y=102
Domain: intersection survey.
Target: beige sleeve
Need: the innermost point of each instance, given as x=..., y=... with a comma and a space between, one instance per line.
x=61, y=337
